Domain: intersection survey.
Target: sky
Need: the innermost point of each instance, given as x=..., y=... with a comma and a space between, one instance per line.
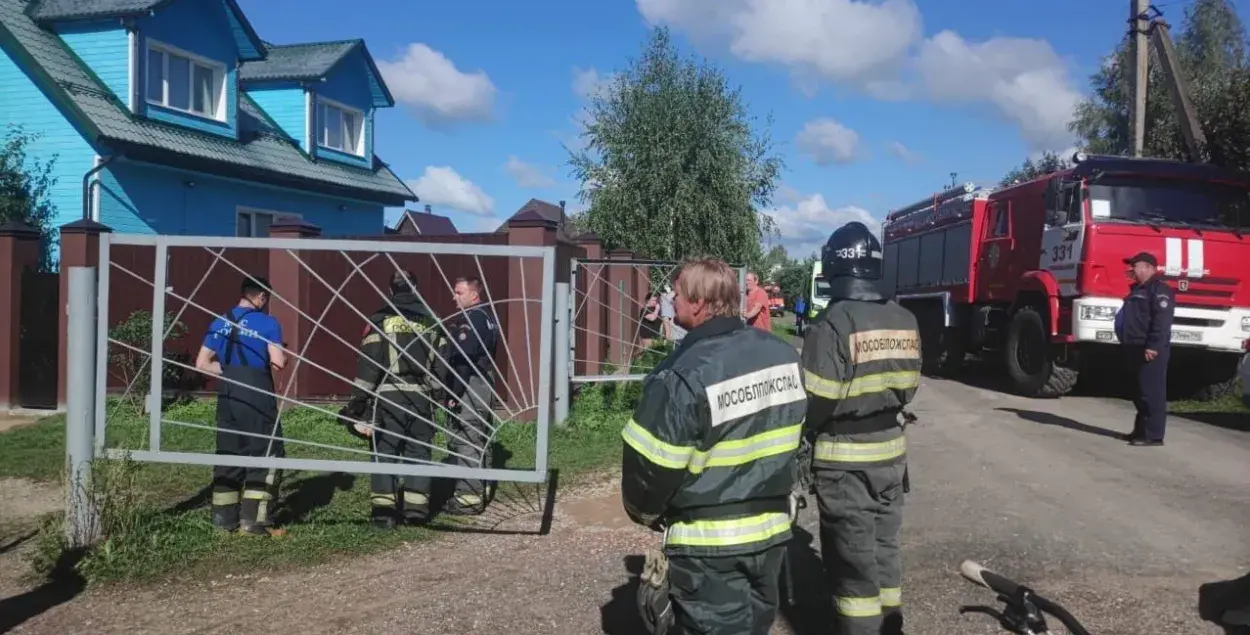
x=874, y=102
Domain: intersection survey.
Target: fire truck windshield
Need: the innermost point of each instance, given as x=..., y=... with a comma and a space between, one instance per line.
x=1169, y=201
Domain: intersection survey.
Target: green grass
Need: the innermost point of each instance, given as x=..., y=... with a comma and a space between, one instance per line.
x=155, y=519
x=1231, y=403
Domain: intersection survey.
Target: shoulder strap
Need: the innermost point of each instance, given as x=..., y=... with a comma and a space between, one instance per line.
x=232, y=337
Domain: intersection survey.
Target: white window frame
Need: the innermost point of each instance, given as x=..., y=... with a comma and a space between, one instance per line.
x=217, y=68
x=320, y=128
x=252, y=212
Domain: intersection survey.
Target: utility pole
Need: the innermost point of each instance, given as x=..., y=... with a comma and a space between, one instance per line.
x=1138, y=25
x=953, y=175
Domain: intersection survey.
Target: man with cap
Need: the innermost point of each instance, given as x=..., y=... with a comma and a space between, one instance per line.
x=241, y=348
x=1145, y=332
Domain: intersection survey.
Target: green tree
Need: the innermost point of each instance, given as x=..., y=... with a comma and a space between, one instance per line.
x=794, y=277
x=1048, y=163
x=1211, y=47
x=672, y=167
x=25, y=184
x=773, y=261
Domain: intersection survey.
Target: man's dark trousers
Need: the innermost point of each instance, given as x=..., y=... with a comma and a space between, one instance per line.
x=1150, y=396
x=726, y=595
x=405, y=436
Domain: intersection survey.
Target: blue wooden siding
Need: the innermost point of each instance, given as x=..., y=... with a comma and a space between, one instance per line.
x=348, y=84
x=202, y=28
x=284, y=103
x=105, y=48
x=24, y=104
x=145, y=199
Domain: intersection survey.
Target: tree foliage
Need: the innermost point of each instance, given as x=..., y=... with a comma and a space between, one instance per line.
x=1211, y=47
x=1048, y=163
x=25, y=185
x=672, y=167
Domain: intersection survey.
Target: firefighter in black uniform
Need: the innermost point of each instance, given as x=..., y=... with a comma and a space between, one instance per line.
x=709, y=459
x=241, y=348
x=393, y=373
x=471, y=380
x=1146, y=338
x=861, y=361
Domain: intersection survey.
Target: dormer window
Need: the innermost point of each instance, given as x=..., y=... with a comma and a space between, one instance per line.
x=340, y=127
x=185, y=82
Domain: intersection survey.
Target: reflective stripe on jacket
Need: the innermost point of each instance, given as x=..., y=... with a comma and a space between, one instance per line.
x=861, y=365
x=711, y=447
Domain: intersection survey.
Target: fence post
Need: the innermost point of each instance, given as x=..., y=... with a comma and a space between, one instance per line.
x=742, y=288
x=80, y=247
x=291, y=282
x=563, y=367
x=81, y=527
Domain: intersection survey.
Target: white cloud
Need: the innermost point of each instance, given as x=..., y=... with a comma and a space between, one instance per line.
x=1024, y=79
x=588, y=81
x=441, y=185
x=878, y=47
x=827, y=142
x=806, y=225
x=527, y=175
x=437, y=92
x=907, y=155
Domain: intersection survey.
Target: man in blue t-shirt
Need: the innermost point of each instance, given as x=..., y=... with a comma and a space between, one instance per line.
x=241, y=349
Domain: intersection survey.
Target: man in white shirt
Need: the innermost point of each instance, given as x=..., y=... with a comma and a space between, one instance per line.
x=671, y=330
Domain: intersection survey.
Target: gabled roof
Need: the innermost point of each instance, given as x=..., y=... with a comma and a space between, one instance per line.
x=313, y=61
x=46, y=12
x=263, y=153
x=535, y=209
x=425, y=224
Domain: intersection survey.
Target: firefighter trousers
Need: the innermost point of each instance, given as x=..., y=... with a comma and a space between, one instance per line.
x=246, y=418
x=861, y=515
x=405, y=435
x=472, y=449
x=727, y=595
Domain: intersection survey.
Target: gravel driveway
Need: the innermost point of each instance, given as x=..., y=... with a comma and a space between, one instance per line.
x=1038, y=490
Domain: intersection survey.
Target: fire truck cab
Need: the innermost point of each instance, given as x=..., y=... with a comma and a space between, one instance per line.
x=1033, y=273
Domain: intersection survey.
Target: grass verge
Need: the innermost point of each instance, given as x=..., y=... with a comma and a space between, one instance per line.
x=155, y=518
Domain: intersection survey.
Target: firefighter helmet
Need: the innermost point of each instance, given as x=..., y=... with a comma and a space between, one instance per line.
x=852, y=251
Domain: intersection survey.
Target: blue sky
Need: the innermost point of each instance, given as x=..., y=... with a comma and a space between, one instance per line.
x=875, y=102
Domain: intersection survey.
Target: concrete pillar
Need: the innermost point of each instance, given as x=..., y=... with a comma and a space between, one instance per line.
x=80, y=247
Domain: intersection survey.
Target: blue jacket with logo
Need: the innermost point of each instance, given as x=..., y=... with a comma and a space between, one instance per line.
x=1146, y=317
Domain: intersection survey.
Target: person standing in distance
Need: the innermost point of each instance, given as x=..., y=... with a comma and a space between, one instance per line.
x=472, y=383
x=861, y=361
x=241, y=349
x=395, y=362
x=709, y=459
x=757, y=314
x=1146, y=338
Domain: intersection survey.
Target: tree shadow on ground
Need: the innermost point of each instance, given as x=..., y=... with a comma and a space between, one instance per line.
x=1049, y=419
x=806, y=600
x=620, y=615
x=506, y=503
x=63, y=584
x=17, y=542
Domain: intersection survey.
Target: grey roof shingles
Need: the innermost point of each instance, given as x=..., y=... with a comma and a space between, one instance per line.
x=296, y=61
x=82, y=9
x=267, y=151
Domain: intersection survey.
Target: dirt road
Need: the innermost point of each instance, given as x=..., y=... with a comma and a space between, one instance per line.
x=1039, y=490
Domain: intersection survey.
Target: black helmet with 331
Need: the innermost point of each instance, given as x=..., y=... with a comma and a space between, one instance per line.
x=852, y=251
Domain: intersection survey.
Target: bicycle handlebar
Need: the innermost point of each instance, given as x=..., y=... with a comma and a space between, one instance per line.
x=1024, y=606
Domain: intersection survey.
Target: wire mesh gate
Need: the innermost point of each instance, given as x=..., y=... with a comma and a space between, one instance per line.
x=323, y=293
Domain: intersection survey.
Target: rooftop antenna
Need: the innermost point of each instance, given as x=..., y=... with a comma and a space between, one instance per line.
x=953, y=175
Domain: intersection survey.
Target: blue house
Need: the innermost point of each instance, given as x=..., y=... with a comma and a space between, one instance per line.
x=181, y=120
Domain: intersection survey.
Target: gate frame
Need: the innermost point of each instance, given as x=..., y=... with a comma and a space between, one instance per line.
x=87, y=353
x=570, y=313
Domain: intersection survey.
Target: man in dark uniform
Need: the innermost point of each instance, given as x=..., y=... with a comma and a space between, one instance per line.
x=861, y=361
x=393, y=371
x=241, y=349
x=1146, y=338
x=472, y=382
x=709, y=459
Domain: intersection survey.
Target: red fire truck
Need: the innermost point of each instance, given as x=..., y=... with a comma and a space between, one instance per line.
x=1032, y=274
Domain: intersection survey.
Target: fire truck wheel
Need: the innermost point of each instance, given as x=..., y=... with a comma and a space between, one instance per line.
x=1029, y=361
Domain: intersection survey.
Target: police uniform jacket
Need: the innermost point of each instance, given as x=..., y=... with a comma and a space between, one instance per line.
x=710, y=450
x=468, y=353
x=1147, y=315
x=861, y=365
x=400, y=356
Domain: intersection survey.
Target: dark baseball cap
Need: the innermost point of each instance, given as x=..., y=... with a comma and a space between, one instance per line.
x=1143, y=256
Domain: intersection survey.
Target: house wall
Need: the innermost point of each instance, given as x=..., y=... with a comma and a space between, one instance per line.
x=146, y=199
x=348, y=84
x=285, y=103
x=24, y=104
x=104, y=46
x=201, y=28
